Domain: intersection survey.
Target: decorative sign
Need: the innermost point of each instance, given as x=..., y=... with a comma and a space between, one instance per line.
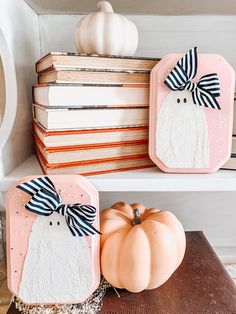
x=53, y=241
x=191, y=112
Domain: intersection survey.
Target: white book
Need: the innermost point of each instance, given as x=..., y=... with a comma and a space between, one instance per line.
x=234, y=144
x=234, y=123
x=231, y=163
x=79, y=95
x=59, y=119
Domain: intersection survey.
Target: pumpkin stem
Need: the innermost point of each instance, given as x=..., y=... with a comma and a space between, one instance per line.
x=105, y=6
x=136, y=213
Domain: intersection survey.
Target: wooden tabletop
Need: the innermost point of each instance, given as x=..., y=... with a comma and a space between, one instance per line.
x=201, y=285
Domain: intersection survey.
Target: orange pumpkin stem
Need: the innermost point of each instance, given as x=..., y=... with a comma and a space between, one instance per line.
x=136, y=213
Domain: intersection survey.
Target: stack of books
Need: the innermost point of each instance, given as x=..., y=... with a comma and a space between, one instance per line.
x=91, y=113
x=231, y=163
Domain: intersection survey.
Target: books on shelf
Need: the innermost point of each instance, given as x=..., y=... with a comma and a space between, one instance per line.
x=234, y=119
x=234, y=144
x=97, y=167
x=53, y=118
x=231, y=163
x=82, y=61
x=71, y=154
x=52, y=139
x=91, y=113
x=74, y=75
x=85, y=95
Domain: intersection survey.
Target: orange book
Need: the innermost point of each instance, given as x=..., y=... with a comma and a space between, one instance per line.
x=53, y=139
x=107, y=151
x=94, y=167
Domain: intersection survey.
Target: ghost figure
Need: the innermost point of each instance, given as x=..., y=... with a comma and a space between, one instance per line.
x=57, y=268
x=182, y=132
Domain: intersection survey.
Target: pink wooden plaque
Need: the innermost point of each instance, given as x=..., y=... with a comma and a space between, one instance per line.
x=191, y=113
x=47, y=264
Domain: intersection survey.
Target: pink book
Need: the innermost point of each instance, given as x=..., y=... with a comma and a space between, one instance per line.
x=191, y=112
x=53, y=239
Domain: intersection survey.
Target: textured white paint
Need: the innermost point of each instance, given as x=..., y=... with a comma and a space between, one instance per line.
x=57, y=267
x=182, y=132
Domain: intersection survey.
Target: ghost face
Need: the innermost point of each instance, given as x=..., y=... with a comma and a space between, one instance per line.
x=57, y=268
x=182, y=132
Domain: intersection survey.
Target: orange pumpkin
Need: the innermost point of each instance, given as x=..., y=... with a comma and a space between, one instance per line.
x=140, y=248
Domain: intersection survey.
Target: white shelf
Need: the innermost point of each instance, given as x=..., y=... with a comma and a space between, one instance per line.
x=148, y=180
x=161, y=7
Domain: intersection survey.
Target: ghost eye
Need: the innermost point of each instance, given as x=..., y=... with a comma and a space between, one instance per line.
x=50, y=223
x=58, y=223
x=178, y=100
x=185, y=100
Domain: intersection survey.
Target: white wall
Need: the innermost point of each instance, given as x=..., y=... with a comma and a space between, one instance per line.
x=214, y=213
x=19, y=28
x=160, y=7
x=158, y=35
x=2, y=92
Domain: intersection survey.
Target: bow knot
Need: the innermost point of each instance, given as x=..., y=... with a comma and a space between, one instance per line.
x=205, y=91
x=45, y=200
x=61, y=209
x=190, y=86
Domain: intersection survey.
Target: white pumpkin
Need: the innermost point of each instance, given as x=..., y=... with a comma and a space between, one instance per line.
x=106, y=33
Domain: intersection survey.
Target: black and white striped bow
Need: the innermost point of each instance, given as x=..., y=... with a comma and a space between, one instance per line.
x=205, y=91
x=45, y=200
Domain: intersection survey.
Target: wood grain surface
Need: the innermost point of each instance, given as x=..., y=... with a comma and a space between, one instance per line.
x=201, y=285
